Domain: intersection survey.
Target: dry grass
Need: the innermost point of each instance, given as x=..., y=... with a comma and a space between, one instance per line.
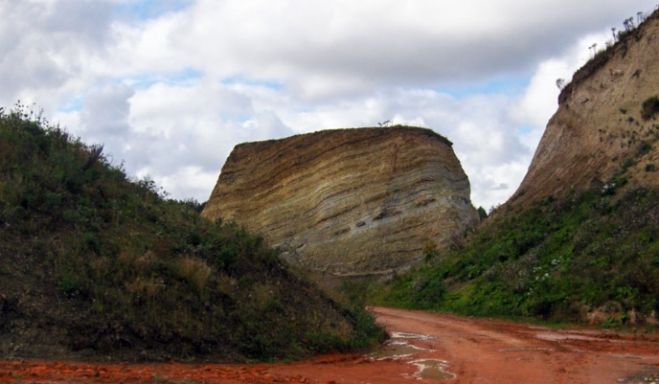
x=195, y=271
x=145, y=287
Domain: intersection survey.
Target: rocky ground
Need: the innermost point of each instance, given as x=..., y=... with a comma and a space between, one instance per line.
x=424, y=347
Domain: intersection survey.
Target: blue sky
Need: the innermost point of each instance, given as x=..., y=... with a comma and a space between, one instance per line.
x=148, y=9
x=513, y=84
x=171, y=86
x=185, y=76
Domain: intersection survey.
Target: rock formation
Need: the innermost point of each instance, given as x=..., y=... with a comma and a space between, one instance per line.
x=349, y=202
x=601, y=129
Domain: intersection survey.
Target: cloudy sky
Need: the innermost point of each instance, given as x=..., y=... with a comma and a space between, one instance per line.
x=171, y=86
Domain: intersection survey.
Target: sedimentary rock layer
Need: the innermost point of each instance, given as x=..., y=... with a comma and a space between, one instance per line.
x=347, y=202
x=600, y=130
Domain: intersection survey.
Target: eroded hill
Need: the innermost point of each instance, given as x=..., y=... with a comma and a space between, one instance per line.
x=351, y=202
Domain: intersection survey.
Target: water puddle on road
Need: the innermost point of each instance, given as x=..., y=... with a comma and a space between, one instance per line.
x=647, y=378
x=433, y=369
x=395, y=349
x=555, y=336
x=399, y=347
x=412, y=336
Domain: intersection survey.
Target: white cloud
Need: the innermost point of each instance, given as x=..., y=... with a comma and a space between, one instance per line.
x=313, y=44
x=173, y=91
x=45, y=44
x=188, y=181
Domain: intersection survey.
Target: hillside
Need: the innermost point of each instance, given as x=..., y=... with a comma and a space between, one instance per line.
x=579, y=240
x=95, y=266
x=606, y=123
x=329, y=198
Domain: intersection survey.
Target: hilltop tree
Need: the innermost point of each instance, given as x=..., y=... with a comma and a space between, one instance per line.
x=560, y=83
x=482, y=214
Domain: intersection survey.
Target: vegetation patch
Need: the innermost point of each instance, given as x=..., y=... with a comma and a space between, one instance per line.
x=95, y=265
x=558, y=261
x=650, y=108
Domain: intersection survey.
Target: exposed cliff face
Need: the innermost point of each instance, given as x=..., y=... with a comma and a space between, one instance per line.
x=599, y=130
x=347, y=202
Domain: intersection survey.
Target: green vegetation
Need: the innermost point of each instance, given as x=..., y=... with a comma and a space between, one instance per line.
x=650, y=108
x=555, y=261
x=95, y=265
x=482, y=214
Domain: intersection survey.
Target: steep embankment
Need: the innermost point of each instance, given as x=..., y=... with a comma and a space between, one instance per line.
x=579, y=240
x=605, y=124
x=348, y=202
x=95, y=266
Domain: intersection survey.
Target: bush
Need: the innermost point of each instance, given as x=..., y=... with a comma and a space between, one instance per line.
x=650, y=107
x=194, y=270
x=482, y=214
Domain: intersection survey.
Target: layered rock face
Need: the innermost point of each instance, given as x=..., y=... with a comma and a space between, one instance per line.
x=348, y=202
x=599, y=130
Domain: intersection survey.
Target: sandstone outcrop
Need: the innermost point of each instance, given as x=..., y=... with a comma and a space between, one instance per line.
x=348, y=202
x=600, y=130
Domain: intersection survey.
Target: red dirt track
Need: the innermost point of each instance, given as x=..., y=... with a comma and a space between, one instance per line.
x=452, y=349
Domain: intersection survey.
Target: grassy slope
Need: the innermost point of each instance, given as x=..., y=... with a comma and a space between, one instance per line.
x=555, y=261
x=94, y=265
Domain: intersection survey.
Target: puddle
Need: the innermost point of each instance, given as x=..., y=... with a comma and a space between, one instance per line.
x=412, y=336
x=564, y=336
x=395, y=349
x=399, y=348
x=647, y=378
x=433, y=369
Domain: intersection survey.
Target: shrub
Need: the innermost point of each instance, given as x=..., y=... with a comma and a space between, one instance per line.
x=193, y=270
x=650, y=107
x=482, y=214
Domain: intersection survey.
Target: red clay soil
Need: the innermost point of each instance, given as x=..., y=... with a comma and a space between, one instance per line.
x=425, y=347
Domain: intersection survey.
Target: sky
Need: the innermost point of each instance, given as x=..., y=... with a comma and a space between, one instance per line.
x=169, y=87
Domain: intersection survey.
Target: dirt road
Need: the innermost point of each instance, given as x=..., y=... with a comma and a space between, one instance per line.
x=424, y=347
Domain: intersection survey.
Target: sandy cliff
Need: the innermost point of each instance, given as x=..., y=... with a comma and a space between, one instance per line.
x=599, y=130
x=348, y=202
